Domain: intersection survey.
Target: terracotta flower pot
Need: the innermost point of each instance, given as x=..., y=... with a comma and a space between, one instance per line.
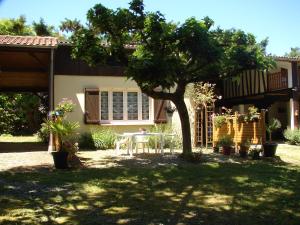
x=226, y=150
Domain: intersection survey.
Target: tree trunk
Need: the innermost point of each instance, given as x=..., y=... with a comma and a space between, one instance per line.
x=185, y=126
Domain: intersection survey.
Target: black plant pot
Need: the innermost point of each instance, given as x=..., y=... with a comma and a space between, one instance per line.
x=243, y=154
x=255, y=155
x=60, y=159
x=270, y=149
x=216, y=149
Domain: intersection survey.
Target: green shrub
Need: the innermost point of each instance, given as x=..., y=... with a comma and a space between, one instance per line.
x=104, y=138
x=225, y=140
x=86, y=141
x=43, y=134
x=292, y=136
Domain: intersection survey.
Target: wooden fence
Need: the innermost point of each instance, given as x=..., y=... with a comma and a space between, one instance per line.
x=241, y=131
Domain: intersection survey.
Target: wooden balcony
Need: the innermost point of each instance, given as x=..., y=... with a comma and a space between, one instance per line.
x=278, y=80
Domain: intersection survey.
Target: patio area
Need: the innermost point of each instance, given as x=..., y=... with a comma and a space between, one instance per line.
x=20, y=161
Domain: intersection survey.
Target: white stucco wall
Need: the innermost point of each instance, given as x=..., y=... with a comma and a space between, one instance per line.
x=175, y=120
x=72, y=87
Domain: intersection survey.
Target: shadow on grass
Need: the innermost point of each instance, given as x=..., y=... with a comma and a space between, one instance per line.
x=209, y=193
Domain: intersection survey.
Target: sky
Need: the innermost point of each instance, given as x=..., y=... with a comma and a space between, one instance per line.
x=276, y=19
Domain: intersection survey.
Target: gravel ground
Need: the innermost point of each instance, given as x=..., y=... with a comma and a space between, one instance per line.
x=25, y=159
x=108, y=158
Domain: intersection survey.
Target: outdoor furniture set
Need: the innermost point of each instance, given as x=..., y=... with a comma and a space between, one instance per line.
x=142, y=138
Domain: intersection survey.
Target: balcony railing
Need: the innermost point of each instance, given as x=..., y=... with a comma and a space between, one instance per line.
x=277, y=81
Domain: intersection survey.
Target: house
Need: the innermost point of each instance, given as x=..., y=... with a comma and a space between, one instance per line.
x=105, y=97
x=102, y=94
x=277, y=91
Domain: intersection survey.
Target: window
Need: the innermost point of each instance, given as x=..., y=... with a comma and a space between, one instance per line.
x=145, y=107
x=119, y=106
x=132, y=105
x=104, y=105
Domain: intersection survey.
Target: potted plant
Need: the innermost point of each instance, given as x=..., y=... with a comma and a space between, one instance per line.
x=62, y=131
x=244, y=148
x=226, y=143
x=216, y=148
x=270, y=147
x=255, y=153
x=219, y=120
x=170, y=110
x=251, y=116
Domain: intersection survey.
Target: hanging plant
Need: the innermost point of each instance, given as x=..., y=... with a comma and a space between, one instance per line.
x=219, y=120
x=201, y=94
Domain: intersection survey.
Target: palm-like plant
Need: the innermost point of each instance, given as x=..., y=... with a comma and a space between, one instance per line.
x=61, y=129
x=272, y=126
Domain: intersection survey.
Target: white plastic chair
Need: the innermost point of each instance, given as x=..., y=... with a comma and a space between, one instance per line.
x=121, y=140
x=172, y=137
x=143, y=140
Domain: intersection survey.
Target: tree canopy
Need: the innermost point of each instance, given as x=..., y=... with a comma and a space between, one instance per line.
x=166, y=56
x=15, y=26
x=295, y=52
x=19, y=26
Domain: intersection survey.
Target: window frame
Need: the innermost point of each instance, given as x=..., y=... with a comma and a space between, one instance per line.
x=125, y=120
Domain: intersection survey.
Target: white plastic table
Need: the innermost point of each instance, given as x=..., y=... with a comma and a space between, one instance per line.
x=131, y=137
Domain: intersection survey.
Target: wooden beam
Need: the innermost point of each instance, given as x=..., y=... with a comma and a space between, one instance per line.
x=250, y=79
x=33, y=55
x=247, y=83
x=22, y=70
x=242, y=80
x=51, y=81
x=265, y=75
x=254, y=85
x=18, y=80
x=259, y=77
x=294, y=74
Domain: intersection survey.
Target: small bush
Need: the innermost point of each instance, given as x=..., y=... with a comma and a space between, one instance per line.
x=98, y=139
x=104, y=138
x=225, y=140
x=292, y=136
x=43, y=134
x=86, y=141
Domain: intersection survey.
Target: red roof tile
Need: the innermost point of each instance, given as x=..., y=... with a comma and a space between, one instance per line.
x=287, y=58
x=28, y=41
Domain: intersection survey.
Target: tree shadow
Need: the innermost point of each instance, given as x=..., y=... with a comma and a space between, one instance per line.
x=8, y=147
x=208, y=193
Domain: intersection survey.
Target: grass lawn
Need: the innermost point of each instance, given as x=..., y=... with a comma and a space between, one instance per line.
x=253, y=192
x=19, y=139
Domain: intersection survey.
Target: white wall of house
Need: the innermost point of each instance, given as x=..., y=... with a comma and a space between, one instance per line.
x=72, y=87
x=175, y=120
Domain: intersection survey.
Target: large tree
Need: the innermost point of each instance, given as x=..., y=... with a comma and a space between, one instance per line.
x=166, y=56
x=295, y=52
x=42, y=29
x=16, y=26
